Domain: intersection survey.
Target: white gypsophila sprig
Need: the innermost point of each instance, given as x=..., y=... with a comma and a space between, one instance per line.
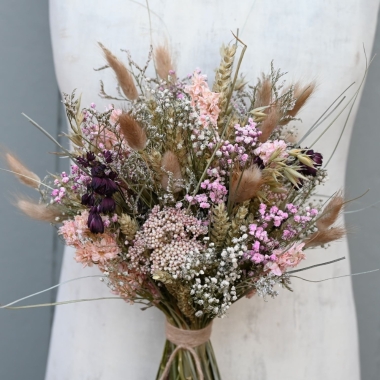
x=265, y=285
x=214, y=294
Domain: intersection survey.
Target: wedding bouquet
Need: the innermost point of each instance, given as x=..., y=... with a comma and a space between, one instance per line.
x=189, y=198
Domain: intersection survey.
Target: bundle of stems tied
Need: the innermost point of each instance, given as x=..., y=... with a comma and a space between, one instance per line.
x=189, y=197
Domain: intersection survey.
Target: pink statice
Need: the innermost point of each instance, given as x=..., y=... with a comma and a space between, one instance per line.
x=265, y=150
x=240, y=152
x=203, y=98
x=215, y=191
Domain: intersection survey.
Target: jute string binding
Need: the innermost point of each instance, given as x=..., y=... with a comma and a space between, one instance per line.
x=186, y=340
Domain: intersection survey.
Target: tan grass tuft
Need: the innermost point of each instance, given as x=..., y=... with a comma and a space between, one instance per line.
x=264, y=92
x=325, y=236
x=40, y=212
x=164, y=62
x=331, y=212
x=269, y=124
x=171, y=164
x=302, y=94
x=132, y=132
x=124, y=77
x=244, y=186
x=23, y=174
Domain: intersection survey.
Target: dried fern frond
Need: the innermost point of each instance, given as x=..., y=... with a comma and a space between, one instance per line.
x=132, y=132
x=44, y=213
x=269, y=124
x=170, y=164
x=164, y=62
x=245, y=185
x=128, y=226
x=124, y=77
x=24, y=175
x=325, y=236
x=331, y=212
x=302, y=94
x=220, y=225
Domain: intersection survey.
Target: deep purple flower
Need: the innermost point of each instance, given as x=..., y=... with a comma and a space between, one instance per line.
x=107, y=205
x=108, y=156
x=98, y=170
x=95, y=222
x=317, y=158
x=90, y=156
x=88, y=199
x=104, y=186
x=112, y=175
x=86, y=161
x=259, y=162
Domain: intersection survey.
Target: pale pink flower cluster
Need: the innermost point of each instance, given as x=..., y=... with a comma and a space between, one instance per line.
x=265, y=150
x=114, y=117
x=284, y=260
x=90, y=248
x=204, y=98
x=165, y=241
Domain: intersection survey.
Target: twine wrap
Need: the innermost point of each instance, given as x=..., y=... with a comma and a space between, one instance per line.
x=186, y=340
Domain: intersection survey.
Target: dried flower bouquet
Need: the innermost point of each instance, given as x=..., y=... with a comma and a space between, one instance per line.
x=191, y=197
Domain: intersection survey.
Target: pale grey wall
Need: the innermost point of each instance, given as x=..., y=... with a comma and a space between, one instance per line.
x=29, y=251
x=28, y=254
x=363, y=172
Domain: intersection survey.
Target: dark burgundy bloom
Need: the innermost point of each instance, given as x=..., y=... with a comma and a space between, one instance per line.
x=86, y=161
x=95, y=222
x=259, y=162
x=317, y=158
x=104, y=186
x=90, y=156
x=107, y=205
x=111, y=187
x=112, y=175
x=98, y=171
x=88, y=199
x=108, y=156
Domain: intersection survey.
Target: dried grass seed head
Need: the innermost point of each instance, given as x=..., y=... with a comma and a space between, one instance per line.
x=133, y=133
x=124, y=77
x=325, y=236
x=164, y=62
x=24, y=175
x=171, y=164
x=245, y=185
x=42, y=212
x=331, y=212
x=301, y=94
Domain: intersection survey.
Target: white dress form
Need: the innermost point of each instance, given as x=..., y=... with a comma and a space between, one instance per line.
x=309, y=334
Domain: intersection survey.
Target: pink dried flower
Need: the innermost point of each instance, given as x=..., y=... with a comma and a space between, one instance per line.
x=265, y=151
